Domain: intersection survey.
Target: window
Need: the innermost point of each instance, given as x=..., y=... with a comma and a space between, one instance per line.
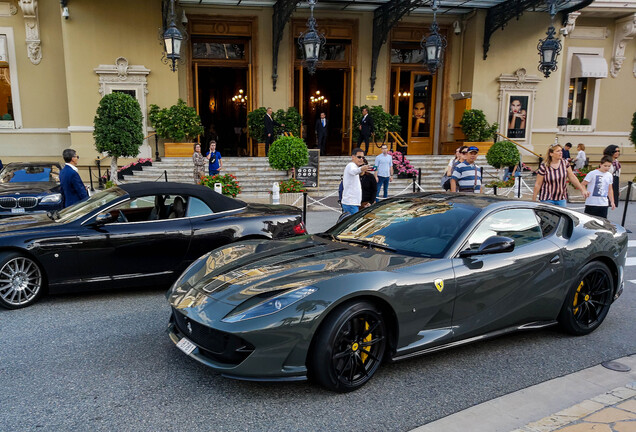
x=10, y=116
x=585, y=69
x=521, y=225
x=548, y=221
x=225, y=50
x=196, y=207
x=576, y=98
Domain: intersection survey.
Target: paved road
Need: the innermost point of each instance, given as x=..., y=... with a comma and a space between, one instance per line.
x=103, y=362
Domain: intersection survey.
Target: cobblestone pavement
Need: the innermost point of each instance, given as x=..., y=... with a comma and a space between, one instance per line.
x=613, y=411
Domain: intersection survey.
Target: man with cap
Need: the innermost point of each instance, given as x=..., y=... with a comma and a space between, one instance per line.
x=466, y=176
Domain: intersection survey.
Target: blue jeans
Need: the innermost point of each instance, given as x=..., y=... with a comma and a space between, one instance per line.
x=213, y=172
x=383, y=181
x=561, y=203
x=351, y=209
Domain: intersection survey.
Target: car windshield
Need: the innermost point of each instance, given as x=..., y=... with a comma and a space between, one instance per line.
x=412, y=226
x=94, y=202
x=46, y=173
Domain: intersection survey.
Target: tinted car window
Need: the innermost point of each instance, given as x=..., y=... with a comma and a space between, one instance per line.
x=548, y=222
x=416, y=226
x=196, y=207
x=521, y=225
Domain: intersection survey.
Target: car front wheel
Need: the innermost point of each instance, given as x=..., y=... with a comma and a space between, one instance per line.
x=589, y=300
x=349, y=347
x=21, y=280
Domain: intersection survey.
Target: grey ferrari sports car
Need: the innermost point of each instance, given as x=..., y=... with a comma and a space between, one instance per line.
x=407, y=276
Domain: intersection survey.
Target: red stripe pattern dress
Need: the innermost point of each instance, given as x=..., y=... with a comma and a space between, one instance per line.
x=554, y=185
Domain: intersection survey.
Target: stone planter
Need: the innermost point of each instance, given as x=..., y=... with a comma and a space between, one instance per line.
x=294, y=198
x=178, y=149
x=405, y=176
x=7, y=124
x=483, y=146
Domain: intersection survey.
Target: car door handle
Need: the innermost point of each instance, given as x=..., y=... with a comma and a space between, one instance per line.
x=555, y=259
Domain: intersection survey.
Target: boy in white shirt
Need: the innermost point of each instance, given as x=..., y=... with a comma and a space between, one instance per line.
x=599, y=184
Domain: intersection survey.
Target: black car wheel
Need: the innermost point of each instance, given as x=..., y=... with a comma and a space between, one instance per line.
x=349, y=347
x=21, y=281
x=589, y=300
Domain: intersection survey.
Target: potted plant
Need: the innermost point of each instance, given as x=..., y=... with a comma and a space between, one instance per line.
x=383, y=123
x=503, y=154
x=477, y=129
x=632, y=135
x=402, y=166
x=6, y=121
x=256, y=129
x=288, y=153
x=229, y=184
x=118, y=128
x=579, y=125
x=291, y=191
x=290, y=118
x=180, y=125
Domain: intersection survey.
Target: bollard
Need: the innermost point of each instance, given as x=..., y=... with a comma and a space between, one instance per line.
x=419, y=179
x=305, y=209
x=275, y=193
x=627, y=195
x=494, y=188
x=218, y=188
x=414, y=183
x=165, y=174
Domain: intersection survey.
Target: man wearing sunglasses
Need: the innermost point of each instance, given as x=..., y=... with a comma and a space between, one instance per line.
x=73, y=190
x=352, y=190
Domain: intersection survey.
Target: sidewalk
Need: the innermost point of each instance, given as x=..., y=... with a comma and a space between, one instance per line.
x=596, y=399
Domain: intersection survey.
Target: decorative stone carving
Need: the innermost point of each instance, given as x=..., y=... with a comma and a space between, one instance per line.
x=121, y=76
x=571, y=23
x=518, y=80
x=625, y=31
x=32, y=26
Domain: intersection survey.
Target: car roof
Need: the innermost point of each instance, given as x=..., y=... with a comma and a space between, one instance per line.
x=217, y=202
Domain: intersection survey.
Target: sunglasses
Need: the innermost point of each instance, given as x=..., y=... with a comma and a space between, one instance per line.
x=360, y=157
x=464, y=152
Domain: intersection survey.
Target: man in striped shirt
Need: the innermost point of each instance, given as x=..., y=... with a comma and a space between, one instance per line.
x=466, y=175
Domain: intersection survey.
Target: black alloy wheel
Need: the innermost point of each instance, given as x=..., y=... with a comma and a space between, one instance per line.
x=589, y=300
x=349, y=347
x=21, y=280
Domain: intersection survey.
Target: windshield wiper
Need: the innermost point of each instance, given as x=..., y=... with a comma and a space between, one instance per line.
x=368, y=243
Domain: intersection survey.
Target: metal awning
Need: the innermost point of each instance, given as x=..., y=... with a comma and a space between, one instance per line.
x=588, y=66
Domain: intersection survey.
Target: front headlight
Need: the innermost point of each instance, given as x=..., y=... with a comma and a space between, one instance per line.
x=53, y=198
x=271, y=305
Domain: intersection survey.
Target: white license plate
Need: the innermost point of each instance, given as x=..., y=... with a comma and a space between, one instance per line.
x=186, y=346
x=17, y=210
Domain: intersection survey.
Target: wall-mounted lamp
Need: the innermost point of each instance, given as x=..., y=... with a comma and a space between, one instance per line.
x=64, y=5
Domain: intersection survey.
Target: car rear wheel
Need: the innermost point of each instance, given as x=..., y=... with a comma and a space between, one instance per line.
x=589, y=300
x=349, y=347
x=21, y=281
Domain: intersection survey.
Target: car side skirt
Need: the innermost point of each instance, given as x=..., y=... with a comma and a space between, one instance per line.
x=528, y=326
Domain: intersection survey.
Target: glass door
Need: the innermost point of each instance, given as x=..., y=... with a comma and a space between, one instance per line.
x=421, y=113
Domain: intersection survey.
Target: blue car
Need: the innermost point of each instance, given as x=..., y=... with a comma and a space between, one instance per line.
x=30, y=187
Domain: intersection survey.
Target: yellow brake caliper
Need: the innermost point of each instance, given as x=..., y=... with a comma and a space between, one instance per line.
x=576, y=298
x=364, y=356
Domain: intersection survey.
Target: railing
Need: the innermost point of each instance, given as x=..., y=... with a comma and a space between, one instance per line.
x=397, y=139
x=519, y=145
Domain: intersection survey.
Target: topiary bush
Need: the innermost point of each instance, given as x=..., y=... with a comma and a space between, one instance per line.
x=383, y=122
x=575, y=122
x=632, y=136
x=476, y=127
x=118, y=128
x=288, y=153
x=502, y=154
x=585, y=122
x=255, y=124
x=177, y=123
x=290, y=118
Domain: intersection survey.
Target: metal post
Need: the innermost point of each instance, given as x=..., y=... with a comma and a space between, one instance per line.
x=419, y=178
x=157, y=158
x=414, y=184
x=90, y=177
x=100, y=184
x=305, y=209
x=165, y=174
x=627, y=195
x=494, y=188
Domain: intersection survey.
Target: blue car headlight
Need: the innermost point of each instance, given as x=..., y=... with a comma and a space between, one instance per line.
x=53, y=198
x=272, y=305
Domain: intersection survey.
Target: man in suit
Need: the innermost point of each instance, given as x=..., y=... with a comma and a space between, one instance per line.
x=269, y=129
x=71, y=184
x=366, y=129
x=321, y=133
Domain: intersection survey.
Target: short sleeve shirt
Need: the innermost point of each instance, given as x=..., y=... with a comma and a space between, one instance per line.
x=554, y=182
x=214, y=157
x=598, y=184
x=384, y=164
x=351, y=188
x=467, y=176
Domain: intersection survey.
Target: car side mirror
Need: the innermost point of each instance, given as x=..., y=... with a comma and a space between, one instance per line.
x=492, y=245
x=103, y=219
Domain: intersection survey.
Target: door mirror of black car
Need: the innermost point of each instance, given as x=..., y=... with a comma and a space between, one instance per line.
x=103, y=219
x=492, y=245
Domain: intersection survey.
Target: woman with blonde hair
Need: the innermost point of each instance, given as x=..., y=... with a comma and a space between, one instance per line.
x=199, y=163
x=581, y=158
x=552, y=177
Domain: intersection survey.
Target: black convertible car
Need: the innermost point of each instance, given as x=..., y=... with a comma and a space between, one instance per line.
x=131, y=235
x=30, y=187
x=404, y=277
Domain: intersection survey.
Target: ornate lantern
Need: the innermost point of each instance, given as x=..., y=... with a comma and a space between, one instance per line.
x=311, y=41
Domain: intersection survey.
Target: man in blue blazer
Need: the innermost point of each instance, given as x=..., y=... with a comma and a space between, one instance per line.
x=73, y=189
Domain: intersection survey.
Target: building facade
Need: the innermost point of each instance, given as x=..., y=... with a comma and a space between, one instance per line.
x=238, y=57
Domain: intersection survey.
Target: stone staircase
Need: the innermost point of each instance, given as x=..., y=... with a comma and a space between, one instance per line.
x=256, y=177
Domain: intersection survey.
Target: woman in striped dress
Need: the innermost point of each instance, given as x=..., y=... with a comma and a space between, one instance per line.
x=552, y=177
x=199, y=164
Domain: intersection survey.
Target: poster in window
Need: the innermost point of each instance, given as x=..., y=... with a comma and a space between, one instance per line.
x=517, y=116
x=421, y=105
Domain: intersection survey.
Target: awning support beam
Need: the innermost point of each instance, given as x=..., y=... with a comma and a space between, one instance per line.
x=283, y=10
x=384, y=19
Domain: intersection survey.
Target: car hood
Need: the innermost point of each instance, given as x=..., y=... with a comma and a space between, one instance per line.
x=241, y=271
x=28, y=188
